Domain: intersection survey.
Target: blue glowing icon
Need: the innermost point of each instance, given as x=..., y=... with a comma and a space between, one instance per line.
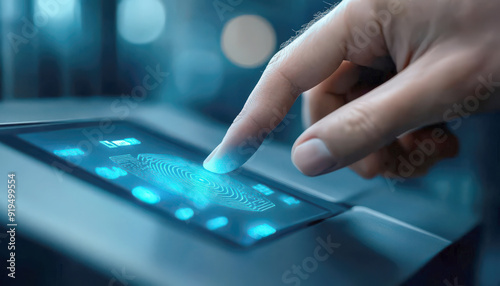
x=132, y=141
x=190, y=180
x=111, y=174
x=265, y=190
x=120, y=143
x=69, y=152
x=184, y=213
x=217, y=222
x=290, y=200
x=108, y=144
x=145, y=195
x=261, y=231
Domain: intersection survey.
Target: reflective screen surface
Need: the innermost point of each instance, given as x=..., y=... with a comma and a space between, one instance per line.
x=172, y=179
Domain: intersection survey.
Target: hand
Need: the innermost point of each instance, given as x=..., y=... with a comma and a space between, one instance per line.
x=375, y=72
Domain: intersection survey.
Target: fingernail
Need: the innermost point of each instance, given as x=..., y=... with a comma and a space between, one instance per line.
x=211, y=154
x=208, y=164
x=313, y=158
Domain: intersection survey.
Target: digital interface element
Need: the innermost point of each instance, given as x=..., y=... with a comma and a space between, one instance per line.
x=265, y=190
x=69, y=152
x=120, y=143
x=110, y=173
x=146, y=195
x=217, y=222
x=261, y=231
x=186, y=179
x=172, y=180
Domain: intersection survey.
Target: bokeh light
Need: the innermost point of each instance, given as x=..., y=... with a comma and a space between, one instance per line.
x=248, y=41
x=59, y=11
x=141, y=21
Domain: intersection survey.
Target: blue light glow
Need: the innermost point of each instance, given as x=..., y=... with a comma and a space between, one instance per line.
x=261, y=231
x=108, y=144
x=190, y=180
x=132, y=141
x=145, y=195
x=217, y=222
x=69, y=152
x=184, y=213
x=290, y=200
x=265, y=190
x=121, y=143
x=111, y=174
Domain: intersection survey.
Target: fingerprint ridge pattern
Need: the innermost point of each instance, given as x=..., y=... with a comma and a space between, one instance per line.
x=185, y=178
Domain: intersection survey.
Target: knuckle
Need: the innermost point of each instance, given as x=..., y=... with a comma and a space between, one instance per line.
x=277, y=59
x=295, y=89
x=249, y=117
x=359, y=120
x=277, y=65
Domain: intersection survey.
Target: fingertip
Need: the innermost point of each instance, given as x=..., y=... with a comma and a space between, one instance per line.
x=220, y=166
x=225, y=159
x=215, y=163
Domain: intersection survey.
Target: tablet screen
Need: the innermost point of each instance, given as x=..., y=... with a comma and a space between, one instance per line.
x=171, y=179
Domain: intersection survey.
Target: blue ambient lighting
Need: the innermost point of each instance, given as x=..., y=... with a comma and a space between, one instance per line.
x=217, y=222
x=265, y=190
x=261, y=231
x=290, y=200
x=145, y=195
x=69, y=152
x=184, y=213
x=111, y=174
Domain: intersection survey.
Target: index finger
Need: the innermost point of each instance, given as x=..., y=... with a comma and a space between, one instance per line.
x=306, y=62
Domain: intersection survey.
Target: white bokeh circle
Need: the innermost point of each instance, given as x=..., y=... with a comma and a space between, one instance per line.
x=248, y=41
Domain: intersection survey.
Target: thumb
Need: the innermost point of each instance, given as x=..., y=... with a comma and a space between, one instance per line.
x=374, y=120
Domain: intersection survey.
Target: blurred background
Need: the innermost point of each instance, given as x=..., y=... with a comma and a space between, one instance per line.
x=205, y=56
x=61, y=48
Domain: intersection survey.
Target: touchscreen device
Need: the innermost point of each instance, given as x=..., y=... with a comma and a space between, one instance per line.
x=168, y=177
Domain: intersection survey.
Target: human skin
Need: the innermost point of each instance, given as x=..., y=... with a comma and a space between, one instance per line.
x=375, y=75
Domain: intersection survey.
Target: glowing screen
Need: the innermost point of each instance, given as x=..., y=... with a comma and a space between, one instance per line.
x=171, y=178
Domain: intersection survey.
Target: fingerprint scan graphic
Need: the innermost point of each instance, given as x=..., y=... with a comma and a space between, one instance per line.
x=192, y=181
